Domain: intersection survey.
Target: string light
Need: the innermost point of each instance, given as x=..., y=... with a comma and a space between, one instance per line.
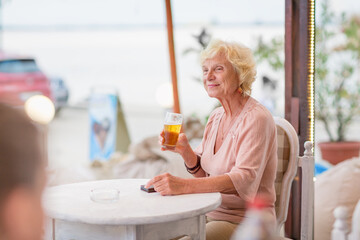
x=311, y=71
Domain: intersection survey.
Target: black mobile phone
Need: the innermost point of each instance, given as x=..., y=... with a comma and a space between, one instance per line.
x=148, y=190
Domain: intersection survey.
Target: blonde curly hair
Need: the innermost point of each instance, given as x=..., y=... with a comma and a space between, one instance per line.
x=240, y=57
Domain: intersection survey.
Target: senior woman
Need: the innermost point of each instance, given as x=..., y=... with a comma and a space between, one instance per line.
x=238, y=153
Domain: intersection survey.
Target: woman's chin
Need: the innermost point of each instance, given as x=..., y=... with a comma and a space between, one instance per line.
x=214, y=94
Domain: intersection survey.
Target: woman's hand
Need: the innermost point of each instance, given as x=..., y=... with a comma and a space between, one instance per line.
x=184, y=149
x=182, y=144
x=167, y=184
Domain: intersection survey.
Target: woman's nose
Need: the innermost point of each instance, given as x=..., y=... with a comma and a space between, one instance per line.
x=209, y=76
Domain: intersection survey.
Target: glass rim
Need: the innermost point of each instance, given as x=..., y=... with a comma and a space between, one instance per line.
x=173, y=118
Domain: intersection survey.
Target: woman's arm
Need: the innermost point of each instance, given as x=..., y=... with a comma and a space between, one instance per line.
x=184, y=149
x=167, y=184
x=222, y=184
x=190, y=158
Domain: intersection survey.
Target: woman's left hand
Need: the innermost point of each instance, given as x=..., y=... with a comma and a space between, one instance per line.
x=167, y=184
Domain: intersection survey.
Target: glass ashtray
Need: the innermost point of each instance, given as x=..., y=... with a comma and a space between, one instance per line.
x=104, y=195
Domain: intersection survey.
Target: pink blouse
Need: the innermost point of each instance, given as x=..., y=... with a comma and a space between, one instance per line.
x=248, y=155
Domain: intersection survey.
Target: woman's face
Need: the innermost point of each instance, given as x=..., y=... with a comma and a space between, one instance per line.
x=219, y=77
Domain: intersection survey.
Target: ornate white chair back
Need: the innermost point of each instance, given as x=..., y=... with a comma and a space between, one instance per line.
x=288, y=152
x=288, y=163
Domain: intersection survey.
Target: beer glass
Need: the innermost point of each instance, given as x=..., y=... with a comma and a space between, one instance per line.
x=172, y=126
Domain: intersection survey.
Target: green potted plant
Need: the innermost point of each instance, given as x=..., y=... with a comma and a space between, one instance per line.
x=337, y=88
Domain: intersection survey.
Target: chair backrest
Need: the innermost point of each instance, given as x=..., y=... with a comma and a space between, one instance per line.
x=288, y=152
x=288, y=163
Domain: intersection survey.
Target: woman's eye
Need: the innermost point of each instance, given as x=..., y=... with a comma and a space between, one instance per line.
x=205, y=71
x=218, y=68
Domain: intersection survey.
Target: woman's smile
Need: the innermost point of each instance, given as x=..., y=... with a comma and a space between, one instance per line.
x=212, y=85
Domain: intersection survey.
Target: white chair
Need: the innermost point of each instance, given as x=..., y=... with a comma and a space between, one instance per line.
x=288, y=163
x=341, y=230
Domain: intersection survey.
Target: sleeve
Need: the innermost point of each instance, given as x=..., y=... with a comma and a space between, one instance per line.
x=255, y=140
x=200, y=149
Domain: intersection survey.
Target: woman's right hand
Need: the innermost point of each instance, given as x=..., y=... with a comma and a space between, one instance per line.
x=182, y=144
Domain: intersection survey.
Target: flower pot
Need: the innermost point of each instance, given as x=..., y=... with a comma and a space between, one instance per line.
x=335, y=152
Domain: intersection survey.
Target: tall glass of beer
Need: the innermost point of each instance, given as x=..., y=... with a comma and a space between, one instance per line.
x=172, y=126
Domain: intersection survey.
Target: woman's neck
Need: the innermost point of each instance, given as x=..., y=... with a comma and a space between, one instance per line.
x=233, y=105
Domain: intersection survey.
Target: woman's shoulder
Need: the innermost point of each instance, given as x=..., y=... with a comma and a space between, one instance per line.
x=259, y=112
x=217, y=111
x=215, y=114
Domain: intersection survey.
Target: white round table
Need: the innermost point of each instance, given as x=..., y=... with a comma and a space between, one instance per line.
x=136, y=215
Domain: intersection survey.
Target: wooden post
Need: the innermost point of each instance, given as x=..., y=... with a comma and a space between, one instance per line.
x=296, y=93
x=296, y=67
x=172, y=56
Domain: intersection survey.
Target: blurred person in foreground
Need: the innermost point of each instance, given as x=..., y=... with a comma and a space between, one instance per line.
x=238, y=153
x=22, y=177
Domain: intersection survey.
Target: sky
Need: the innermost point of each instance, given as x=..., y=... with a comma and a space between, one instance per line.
x=150, y=12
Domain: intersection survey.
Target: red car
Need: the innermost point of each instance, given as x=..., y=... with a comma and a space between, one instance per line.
x=21, y=78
